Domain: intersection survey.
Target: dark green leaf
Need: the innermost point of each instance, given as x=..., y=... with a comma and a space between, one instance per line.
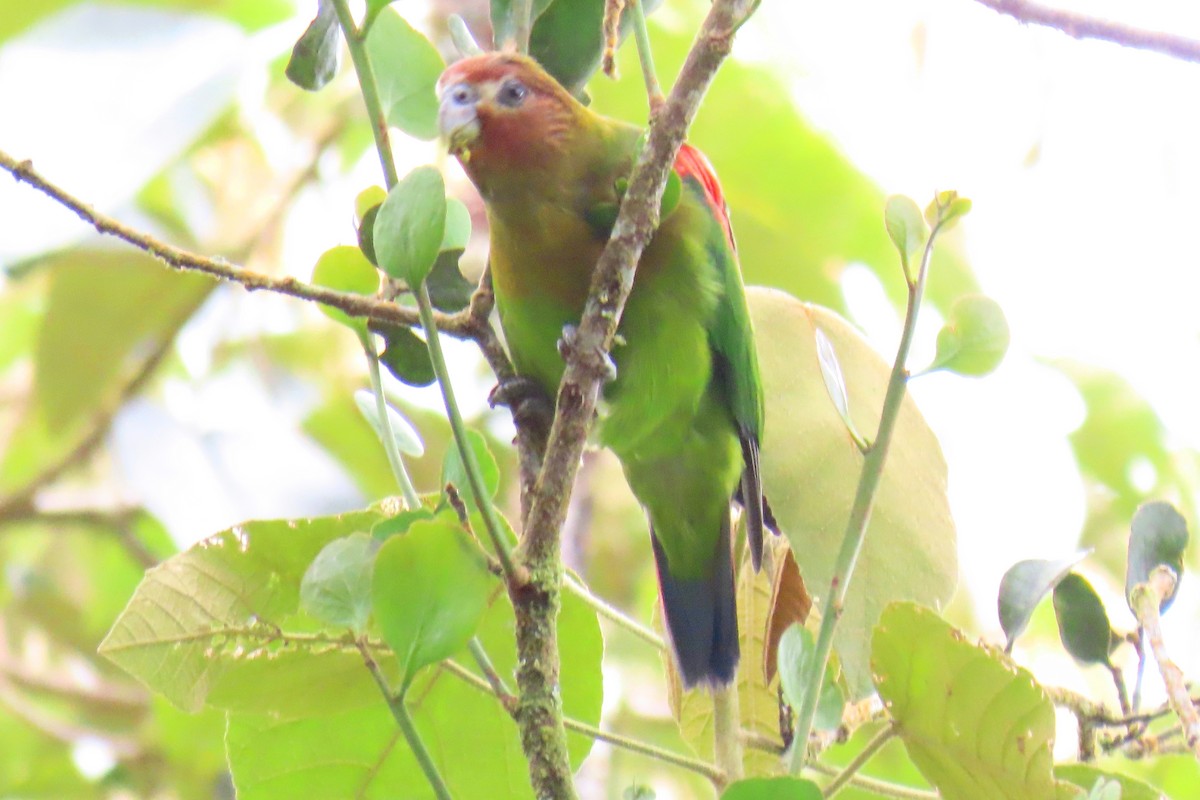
x=408, y=441
x=905, y=227
x=366, y=234
x=772, y=789
x=429, y=592
x=314, y=59
x=406, y=67
x=449, y=291
x=346, y=269
x=1023, y=587
x=410, y=224
x=406, y=355
x=1159, y=535
x=974, y=339
x=336, y=587
x=1083, y=624
x=453, y=470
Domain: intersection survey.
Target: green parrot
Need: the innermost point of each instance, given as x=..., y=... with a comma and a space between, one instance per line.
x=684, y=414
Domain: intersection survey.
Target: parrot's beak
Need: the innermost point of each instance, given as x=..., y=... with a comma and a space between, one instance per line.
x=458, y=119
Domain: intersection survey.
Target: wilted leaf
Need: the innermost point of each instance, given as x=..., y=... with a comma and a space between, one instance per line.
x=1158, y=535
x=977, y=728
x=408, y=441
x=429, y=593
x=772, y=789
x=974, y=339
x=1083, y=624
x=336, y=587
x=790, y=603
x=1023, y=587
x=410, y=224
x=811, y=467
x=314, y=59
x=406, y=67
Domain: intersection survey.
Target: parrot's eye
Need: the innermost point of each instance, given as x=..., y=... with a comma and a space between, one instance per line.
x=512, y=93
x=462, y=94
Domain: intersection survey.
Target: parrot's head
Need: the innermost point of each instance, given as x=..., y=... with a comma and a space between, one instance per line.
x=501, y=113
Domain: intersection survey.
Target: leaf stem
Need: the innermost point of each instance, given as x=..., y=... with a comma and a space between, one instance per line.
x=641, y=35
x=611, y=613
x=356, y=42
x=411, y=499
x=859, y=761
x=860, y=515
x=879, y=787
x=727, y=731
x=405, y=722
x=522, y=11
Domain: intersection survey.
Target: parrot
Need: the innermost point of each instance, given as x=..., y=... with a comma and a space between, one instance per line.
x=684, y=414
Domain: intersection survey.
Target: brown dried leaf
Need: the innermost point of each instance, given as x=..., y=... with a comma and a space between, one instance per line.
x=790, y=602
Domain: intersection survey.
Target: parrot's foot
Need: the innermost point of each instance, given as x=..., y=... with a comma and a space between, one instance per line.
x=525, y=397
x=597, y=360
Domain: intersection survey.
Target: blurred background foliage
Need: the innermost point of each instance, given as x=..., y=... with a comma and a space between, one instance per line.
x=141, y=409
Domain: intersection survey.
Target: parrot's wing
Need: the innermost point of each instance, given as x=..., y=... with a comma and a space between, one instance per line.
x=731, y=337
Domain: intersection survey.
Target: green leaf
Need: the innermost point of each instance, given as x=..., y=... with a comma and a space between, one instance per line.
x=336, y=587
x=810, y=471
x=946, y=208
x=454, y=471
x=406, y=355
x=835, y=382
x=314, y=59
x=905, y=226
x=429, y=592
x=1083, y=624
x=407, y=67
x=796, y=649
x=345, y=269
x=1086, y=777
x=408, y=441
x=410, y=225
x=1023, y=587
x=1158, y=536
x=458, y=226
x=220, y=625
x=977, y=727
x=104, y=308
x=772, y=789
x=399, y=524
x=366, y=235
x=503, y=24
x=368, y=198
x=974, y=339
x=475, y=743
x=449, y=291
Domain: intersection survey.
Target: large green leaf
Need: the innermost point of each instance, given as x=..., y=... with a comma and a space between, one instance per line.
x=410, y=225
x=218, y=624
x=801, y=211
x=811, y=467
x=406, y=67
x=976, y=726
x=473, y=741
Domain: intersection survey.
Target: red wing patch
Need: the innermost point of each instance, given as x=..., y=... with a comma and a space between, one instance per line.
x=691, y=163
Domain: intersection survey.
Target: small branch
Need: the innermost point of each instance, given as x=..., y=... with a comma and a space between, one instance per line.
x=613, y=614
x=411, y=499
x=1119, y=683
x=641, y=35
x=507, y=698
x=1078, y=26
x=866, y=754
x=612, y=36
x=727, y=741
x=405, y=722
x=1147, y=598
x=356, y=43
x=877, y=786
x=860, y=514
x=587, y=366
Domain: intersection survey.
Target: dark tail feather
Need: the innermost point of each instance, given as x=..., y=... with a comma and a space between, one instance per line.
x=701, y=617
x=752, y=496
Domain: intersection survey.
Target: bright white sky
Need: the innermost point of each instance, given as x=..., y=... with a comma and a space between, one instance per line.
x=1081, y=159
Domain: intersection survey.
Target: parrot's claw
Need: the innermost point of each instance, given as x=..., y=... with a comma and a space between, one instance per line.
x=526, y=399
x=597, y=360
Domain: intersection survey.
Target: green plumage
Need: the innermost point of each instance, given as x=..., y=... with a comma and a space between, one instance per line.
x=686, y=399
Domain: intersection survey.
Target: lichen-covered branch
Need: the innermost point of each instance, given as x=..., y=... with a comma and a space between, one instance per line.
x=539, y=712
x=1079, y=26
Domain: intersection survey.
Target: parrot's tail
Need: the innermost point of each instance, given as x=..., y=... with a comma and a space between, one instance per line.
x=701, y=616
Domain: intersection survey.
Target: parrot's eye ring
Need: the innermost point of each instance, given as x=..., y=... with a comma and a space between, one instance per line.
x=462, y=94
x=512, y=93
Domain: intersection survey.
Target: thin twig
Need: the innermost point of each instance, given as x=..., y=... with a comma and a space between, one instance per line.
x=859, y=761
x=612, y=613
x=654, y=92
x=1079, y=26
x=612, y=36
x=877, y=786
x=1146, y=600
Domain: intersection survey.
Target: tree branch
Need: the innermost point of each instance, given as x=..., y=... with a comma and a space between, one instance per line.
x=539, y=713
x=1147, y=598
x=1078, y=26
